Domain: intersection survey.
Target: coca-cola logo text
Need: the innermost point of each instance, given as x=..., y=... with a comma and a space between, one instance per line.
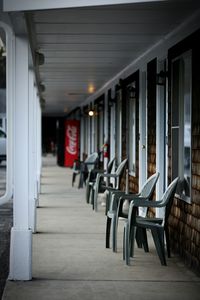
x=72, y=139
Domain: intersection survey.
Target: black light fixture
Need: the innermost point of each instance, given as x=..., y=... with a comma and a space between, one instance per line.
x=132, y=92
x=42, y=103
x=39, y=58
x=112, y=101
x=161, y=78
x=42, y=87
x=119, y=85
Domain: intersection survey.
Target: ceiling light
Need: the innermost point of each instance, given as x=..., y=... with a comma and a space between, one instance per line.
x=91, y=113
x=91, y=89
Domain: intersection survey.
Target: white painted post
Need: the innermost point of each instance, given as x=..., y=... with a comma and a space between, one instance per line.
x=82, y=136
x=112, y=131
x=93, y=131
x=106, y=138
x=32, y=153
x=142, y=130
x=39, y=145
x=160, y=139
x=21, y=234
x=142, y=133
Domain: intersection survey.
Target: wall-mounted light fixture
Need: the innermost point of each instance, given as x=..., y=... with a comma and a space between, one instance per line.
x=120, y=84
x=42, y=87
x=161, y=78
x=132, y=92
x=42, y=103
x=112, y=101
x=39, y=58
x=91, y=113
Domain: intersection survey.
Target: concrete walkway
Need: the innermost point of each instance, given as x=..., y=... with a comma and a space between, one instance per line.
x=70, y=260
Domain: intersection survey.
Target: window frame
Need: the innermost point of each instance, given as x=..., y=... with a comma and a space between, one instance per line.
x=182, y=97
x=132, y=127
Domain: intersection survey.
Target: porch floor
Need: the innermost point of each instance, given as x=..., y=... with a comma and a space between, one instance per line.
x=70, y=260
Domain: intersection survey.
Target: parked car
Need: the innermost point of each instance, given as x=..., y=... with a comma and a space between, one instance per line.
x=2, y=145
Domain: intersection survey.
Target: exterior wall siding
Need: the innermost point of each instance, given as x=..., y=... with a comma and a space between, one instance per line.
x=184, y=220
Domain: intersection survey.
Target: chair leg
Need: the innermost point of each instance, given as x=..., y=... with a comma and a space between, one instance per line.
x=132, y=240
x=158, y=237
x=114, y=232
x=87, y=192
x=85, y=176
x=108, y=225
x=92, y=198
x=80, y=185
x=138, y=237
x=107, y=203
x=95, y=198
x=73, y=178
x=126, y=244
x=167, y=241
x=142, y=238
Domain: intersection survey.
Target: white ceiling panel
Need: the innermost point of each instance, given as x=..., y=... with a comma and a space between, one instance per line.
x=86, y=47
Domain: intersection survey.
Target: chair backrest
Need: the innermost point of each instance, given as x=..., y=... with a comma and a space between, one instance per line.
x=168, y=197
x=148, y=187
x=110, y=165
x=147, y=191
x=92, y=158
x=119, y=172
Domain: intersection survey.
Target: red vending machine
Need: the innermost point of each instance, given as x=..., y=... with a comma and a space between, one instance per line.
x=72, y=132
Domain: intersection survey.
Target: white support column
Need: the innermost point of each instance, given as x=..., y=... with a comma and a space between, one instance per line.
x=21, y=234
x=35, y=144
x=106, y=138
x=32, y=153
x=88, y=138
x=39, y=143
x=112, y=131
x=92, y=120
x=142, y=130
x=82, y=135
x=160, y=138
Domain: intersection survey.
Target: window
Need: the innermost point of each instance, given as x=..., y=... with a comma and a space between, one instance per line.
x=181, y=123
x=131, y=116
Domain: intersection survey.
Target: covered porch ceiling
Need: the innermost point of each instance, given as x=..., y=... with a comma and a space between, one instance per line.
x=85, y=47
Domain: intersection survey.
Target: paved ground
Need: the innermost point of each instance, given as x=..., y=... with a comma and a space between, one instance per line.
x=70, y=261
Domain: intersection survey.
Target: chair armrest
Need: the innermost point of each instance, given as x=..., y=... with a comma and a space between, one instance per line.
x=98, y=170
x=146, y=203
x=109, y=175
x=90, y=163
x=130, y=198
x=140, y=203
x=115, y=196
x=93, y=173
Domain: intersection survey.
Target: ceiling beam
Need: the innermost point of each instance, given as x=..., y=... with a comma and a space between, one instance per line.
x=29, y=5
